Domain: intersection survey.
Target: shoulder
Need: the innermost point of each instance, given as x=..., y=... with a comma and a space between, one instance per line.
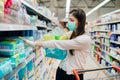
x=69, y=32
x=84, y=38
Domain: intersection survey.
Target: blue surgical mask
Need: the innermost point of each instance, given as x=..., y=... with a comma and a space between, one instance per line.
x=71, y=26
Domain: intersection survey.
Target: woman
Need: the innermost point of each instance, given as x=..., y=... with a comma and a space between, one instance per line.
x=78, y=46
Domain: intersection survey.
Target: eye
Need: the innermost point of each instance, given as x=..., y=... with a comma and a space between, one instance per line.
x=71, y=20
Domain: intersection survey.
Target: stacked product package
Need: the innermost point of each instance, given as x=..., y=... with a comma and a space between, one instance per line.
x=13, y=49
x=2, y=9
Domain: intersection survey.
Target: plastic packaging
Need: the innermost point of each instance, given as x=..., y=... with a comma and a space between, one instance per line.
x=56, y=53
x=22, y=74
x=10, y=47
x=2, y=10
x=30, y=69
x=5, y=66
x=15, y=60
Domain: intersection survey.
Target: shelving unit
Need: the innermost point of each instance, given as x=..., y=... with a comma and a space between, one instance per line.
x=15, y=27
x=41, y=27
x=117, y=50
x=34, y=55
x=102, y=57
x=33, y=11
x=105, y=37
x=108, y=53
x=101, y=30
x=100, y=66
x=111, y=22
x=19, y=66
x=116, y=42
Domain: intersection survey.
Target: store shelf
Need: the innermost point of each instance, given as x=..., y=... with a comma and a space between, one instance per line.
x=33, y=11
x=49, y=29
x=91, y=31
x=19, y=67
x=15, y=27
x=106, y=36
x=101, y=36
x=7, y=77
x=102, y=57
x=117, y=50
x=97, y=36
x=101, y=30
x=115, y=32
x=99, y=65
x=97, y=41
x=109, y=54
x=111, y=22
x=114, y=56
x=116, y=42
x=41, y=27
x=102, y=43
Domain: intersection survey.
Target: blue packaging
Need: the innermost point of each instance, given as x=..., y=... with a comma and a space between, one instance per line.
x=10, y=47
x=5, y=67
x=30, y=69
x=100, y=60
x=22, y=74
x=109, y=70
x=113, y=37
x=56, y=53
x=15, y=60
x=22, y=57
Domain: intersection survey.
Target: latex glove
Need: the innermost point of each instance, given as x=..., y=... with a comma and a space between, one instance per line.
x=31, y=43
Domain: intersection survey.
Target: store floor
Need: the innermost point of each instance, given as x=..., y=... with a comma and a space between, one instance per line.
x=90, y=65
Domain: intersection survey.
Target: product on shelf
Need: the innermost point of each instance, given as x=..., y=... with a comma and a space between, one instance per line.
x=32, y=2
x=22, y=74
x=30, y=70
x=15, y=12
x=37, y=72
x=2, y=2
x=33, y=20
x=11, y=47
x=106, y=37
x=5, y=66
x=15, y=60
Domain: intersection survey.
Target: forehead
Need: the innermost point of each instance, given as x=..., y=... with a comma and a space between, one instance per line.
x=71, y=16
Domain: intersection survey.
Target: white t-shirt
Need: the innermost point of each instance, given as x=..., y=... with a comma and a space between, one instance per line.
x=81, y=46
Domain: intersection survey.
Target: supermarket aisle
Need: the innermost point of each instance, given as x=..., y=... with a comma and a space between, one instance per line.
x=96, y=74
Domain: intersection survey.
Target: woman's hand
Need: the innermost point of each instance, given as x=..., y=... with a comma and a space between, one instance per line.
x=31, y=43
x=38, y=43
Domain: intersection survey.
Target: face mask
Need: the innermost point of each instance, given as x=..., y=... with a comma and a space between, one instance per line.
x=71, y=26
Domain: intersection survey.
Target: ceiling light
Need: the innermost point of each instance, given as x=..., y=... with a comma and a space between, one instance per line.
x=111, y=13
x=97, y=7
x=67, y=8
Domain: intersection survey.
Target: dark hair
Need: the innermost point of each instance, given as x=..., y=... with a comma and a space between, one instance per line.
x=80, y=15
